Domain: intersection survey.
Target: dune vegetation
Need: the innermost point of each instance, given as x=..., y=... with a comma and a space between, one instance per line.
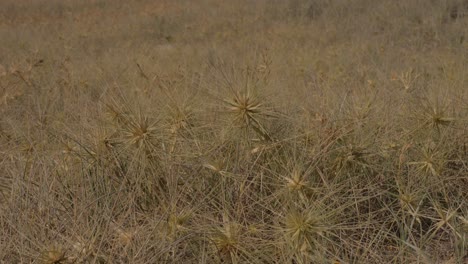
x=267, y=131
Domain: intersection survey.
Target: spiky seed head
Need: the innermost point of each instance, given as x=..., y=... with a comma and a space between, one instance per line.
x=227, y=237
x=177, y=222
x=296, y=181
x=244, y=106
x=300, y=227
x=123, y=236
x=407, y=201
x=140, y=132
x=216, y=166
x=53, y=255
x=80, y=248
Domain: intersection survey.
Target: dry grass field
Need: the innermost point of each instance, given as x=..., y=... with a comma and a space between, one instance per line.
x=244, y=131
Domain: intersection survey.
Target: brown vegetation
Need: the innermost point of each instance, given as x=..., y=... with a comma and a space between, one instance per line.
x=179, y=131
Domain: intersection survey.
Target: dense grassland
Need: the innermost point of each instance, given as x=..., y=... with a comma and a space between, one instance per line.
x=268, y=131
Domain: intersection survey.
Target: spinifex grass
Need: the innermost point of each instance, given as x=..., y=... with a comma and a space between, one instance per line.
x=53, y=255
x=248, y=112
x=236, y=131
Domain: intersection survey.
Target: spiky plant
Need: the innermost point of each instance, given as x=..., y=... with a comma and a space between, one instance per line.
x=53, y=255
x=410, y=200
x=177, y=222
x=296, y=181
x=216, y=166
x=304, y=227
x=227, y=240
x=249, y=111
x=136, y=128
x=431, y=161
x=434, y=114
x=140, y=132
x=305, y=232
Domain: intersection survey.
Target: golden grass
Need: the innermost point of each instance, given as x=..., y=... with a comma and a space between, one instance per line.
x=179, y=131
